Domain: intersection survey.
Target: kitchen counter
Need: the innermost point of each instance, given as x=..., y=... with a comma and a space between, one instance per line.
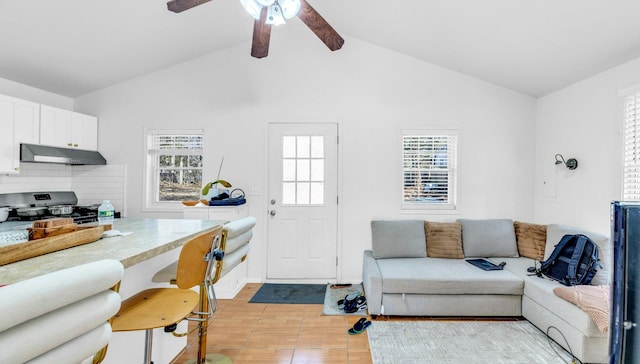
x=149, y=238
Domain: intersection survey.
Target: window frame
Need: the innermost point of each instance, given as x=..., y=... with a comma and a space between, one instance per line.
x=452, y=175
x=151, y=179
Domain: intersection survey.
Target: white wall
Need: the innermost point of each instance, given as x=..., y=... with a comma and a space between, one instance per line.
x=21, y=91
x=582, y=121
x=370, y=91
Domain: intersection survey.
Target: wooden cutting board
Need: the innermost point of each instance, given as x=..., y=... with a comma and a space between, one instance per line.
x=49, y=223
x=39, y=233
x=33, y=248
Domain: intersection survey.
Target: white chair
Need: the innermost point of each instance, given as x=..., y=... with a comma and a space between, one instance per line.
x=232, y=251
x=60, y=317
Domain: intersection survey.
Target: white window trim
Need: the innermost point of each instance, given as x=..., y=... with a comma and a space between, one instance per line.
x=149, y=177
x=625, y=194
x=407, y=207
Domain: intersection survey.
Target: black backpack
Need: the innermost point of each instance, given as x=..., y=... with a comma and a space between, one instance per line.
x=574, y=261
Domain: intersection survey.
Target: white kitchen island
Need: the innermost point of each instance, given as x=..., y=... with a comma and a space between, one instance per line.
x=152, y=244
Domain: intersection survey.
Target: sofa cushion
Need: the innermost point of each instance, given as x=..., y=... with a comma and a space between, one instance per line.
x=531, y=239
x=398, y=239
x=555, y=233
x=540, y=290
x=445, y=276
x=444, y=239
x=517, y=266
x=488, y=238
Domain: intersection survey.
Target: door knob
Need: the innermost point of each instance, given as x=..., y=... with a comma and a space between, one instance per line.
x=272, y=212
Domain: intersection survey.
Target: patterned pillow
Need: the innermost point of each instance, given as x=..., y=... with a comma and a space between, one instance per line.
x=531, y=239
x=444, y=239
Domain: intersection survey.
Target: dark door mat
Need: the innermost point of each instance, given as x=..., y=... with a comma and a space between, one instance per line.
x=290, y=293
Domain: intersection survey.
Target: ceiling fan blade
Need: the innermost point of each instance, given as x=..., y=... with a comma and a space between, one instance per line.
x=178, y=6
x=319, y=26
x=261, y=36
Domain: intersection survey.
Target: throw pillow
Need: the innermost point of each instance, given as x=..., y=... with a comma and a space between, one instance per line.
x=398, y=239
x=444, y=239
x=555, y=232
x=489, y=238
x=531, y=239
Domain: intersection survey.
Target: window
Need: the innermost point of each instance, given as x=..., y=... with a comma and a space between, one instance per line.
x=303, y=170
x=429, y=169
x=631, y=154
x=174, y=167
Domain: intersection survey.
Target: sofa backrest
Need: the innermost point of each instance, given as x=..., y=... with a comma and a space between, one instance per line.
x=480, y=238
x=489, y=238
x=398, y=239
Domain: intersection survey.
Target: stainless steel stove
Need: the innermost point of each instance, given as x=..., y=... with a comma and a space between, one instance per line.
x=31, y=206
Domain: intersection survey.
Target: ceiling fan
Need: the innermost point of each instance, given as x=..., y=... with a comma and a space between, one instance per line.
x=271, y=12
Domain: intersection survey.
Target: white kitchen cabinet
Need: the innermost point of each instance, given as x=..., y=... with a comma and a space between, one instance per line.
x=19, y=122
x=68, y=129
x=84, y=131
x=234, y=281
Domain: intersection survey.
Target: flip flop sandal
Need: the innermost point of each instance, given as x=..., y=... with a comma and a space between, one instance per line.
x=358, y=305
x=359, y=327
x=348, y=299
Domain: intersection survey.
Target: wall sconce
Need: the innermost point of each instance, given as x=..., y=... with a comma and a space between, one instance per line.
x=570, y=163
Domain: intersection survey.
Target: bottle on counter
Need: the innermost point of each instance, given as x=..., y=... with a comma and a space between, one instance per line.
x=105, y=213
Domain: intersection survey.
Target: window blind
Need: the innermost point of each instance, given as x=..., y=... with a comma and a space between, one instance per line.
x=429, y=165
x=631, y=173
x=176, y=143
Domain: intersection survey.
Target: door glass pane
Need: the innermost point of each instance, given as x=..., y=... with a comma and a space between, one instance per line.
x=289, y=147
x=289, y=193
x=317, y=193
x=303, y=170
x=302, y=162
x=303, y=146
x=289, y=170
x=303, y=193
x=317, y=147
x=317, y=169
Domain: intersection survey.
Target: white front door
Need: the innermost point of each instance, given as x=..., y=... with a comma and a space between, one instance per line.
x=303, y=201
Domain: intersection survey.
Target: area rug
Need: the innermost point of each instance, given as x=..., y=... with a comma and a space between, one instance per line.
x=461, y=342
x=289, y=293
x=334, y=294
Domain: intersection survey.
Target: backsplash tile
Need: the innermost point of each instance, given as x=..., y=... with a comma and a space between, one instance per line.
x=37, y=177
x=92, y=184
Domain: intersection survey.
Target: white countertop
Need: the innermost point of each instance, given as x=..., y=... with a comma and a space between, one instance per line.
x=149, y=238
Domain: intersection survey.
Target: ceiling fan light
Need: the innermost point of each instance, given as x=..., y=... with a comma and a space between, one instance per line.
x=290, y=8
x=274, y=15
x=252, y=7
x=266, y=2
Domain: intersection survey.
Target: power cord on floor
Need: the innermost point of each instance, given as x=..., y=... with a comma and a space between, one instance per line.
x=574, y=360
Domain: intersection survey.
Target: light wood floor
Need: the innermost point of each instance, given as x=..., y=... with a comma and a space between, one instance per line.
x=279, y=333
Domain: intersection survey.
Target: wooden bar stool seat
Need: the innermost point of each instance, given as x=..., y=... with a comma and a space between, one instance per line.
x=154, y=308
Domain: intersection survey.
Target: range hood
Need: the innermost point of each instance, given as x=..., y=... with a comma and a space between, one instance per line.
x=47, y=154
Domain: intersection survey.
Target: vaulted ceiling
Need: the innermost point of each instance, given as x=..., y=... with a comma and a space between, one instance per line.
x=73, y=47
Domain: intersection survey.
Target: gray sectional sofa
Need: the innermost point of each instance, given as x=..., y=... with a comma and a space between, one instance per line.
x=403, y=275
